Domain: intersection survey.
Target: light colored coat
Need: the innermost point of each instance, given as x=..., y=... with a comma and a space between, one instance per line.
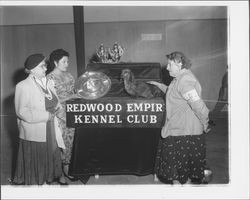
x=31, y=112
x=184, y=117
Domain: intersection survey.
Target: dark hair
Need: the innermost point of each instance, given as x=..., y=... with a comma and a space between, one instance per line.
x=179, y=57
x=55, y=56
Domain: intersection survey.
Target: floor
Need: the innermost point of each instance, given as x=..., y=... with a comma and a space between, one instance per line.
x=217, y=157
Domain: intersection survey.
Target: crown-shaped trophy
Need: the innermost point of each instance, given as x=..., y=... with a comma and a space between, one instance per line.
x=116, y=52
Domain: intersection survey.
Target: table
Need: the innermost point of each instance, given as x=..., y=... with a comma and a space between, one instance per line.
x=124, y=144
x=124, y=148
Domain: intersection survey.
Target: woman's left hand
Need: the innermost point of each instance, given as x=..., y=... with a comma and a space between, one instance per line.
x=76, y=96
x=207, y=128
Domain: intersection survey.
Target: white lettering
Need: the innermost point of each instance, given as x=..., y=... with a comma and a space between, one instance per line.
x=147, y=106
x=100, y=107
x=118, y=107
x=159, y=107
x=111, y=119
x=69, y=108
x=144, y=119
x=129, y=118
x=95, y=119
x=138, y=107
x=87, y=119
x=153, y=119
x=109, y=107
x=82, y=107
x=76, y=107
x=144, y=107
x=129, y=107
x=91, y=107
x=103, y=119
x=78, y=119
x=119, y=121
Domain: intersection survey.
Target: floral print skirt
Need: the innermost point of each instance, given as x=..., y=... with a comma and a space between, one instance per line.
x=180, y=158
x=68, y=138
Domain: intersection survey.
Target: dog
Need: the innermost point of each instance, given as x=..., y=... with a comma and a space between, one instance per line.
x=137, y=88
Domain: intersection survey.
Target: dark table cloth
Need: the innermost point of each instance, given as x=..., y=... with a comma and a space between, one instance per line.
x=125, y=148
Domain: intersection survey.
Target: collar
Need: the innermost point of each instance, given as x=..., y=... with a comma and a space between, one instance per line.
x=42, y=82
x=183, y=71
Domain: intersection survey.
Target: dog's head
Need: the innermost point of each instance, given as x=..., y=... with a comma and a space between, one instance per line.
x=127, y=75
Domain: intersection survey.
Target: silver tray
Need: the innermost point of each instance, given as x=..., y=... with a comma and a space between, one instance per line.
x=93, y=85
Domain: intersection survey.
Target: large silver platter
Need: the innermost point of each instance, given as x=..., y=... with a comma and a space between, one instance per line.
x=93, y=85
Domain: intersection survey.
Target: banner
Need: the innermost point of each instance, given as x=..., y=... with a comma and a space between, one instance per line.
x=116, y=112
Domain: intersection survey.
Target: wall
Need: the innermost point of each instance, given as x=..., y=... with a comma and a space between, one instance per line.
x=19, y=15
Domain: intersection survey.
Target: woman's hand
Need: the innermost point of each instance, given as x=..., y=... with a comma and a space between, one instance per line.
x=76, y=95
x=154, y=83
x=73, y=96
x=207, y=128
x=161, y=86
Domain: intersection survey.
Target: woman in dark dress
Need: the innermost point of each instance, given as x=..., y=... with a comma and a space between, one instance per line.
x=181, y=156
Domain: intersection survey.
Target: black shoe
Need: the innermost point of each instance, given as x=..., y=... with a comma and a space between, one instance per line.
x=73, y=178
x=62, y=183
x=14, y=183
x=165, y=181
x=57, y=180
x=196, y=181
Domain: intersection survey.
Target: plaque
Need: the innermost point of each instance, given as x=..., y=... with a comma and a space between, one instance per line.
x=93, y=85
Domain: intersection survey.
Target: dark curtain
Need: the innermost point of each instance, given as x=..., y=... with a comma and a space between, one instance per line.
x=78, y=12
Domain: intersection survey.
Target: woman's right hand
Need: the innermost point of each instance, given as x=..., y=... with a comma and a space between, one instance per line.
x=161, y=86
x=154, y=83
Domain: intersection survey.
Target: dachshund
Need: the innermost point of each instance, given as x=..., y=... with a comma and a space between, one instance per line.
x=137, y=88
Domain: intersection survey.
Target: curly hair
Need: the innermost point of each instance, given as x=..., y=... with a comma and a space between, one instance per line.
x=179, y=57
x=55, y=56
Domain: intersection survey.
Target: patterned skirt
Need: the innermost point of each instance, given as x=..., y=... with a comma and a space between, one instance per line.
x=68, y=136
x=180, y=158
x=38, y=162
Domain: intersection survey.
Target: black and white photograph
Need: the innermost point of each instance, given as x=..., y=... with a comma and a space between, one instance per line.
x=124, y=100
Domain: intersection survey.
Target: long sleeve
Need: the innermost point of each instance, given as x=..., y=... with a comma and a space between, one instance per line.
x=191, y=92
x=25, y=110
x=201, y=111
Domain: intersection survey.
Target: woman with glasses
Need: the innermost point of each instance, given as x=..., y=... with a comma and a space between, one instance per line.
x=181, y=156
x=40, y=138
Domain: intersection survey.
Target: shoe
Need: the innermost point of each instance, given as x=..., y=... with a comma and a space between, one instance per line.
x=165, y=181
x=14, y=183
x=57, y=180
x=208, y=176
x=73, y=179
x=62, y=183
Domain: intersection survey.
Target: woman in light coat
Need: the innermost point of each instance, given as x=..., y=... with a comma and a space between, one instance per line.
x=40, y=138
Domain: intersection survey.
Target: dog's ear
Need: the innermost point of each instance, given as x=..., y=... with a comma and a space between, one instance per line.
x=121, y=76
x=131, y=76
